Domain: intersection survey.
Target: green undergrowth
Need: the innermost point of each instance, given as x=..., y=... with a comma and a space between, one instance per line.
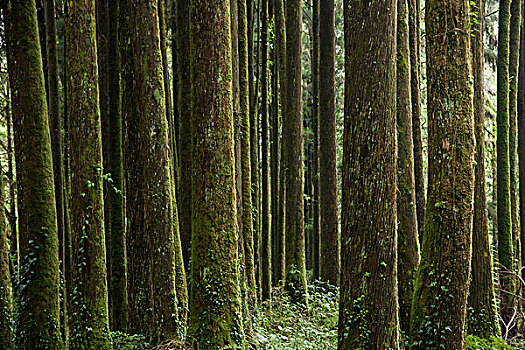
x=284, y=325
x=475, y=343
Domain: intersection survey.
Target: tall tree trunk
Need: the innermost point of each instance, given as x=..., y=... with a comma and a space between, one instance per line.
x=514, y=47
x=184, y=137
x=369, y=260
x=482, y=320
x=6, y=291
x=414, y=22
x=266, y=269
x=521, y=145
x=56, y=144
x=327, y=150
x=38, y=321
x=408, y=246
x=280, y=47
x=89, y=303
x=505, y=242
x=152, y=294
x=293, y=142
x=117, y=237
x=215, y=303
x=244, y=113
x=317, y=108
x=439, y=308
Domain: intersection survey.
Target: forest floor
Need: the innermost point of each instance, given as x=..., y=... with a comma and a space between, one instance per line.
x=284, y=325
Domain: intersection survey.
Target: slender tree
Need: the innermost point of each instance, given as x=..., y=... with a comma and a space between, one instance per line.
x=439, y=307
x=521, y=144
x=215, y=304
x=152, y=294
x=293, y=141
x=89, y=303
x=505, y=243
x=244, y=96
x=482, y=312
x=184, y=125
x=368, y=316
x=6, y=292
x=414, y=23
x=117, y=251
x=280, y=47
x=327, y=150
x=38, y=323
x=514, y=48
x=56, y=144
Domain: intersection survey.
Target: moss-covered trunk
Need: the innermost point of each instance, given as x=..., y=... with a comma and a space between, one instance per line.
x=184, y=125
x=293, y=156
x=6, y=290
x=482, y=315
x=514, y=48
x=521, y=144
x=215, y=303
x=244, y=113
x=117, y=238
x=368, y=316
x=505, y=243
x=280, y=48
x=327, y=150
x=37, y=322
x=439, y=308
x=151, y=237
x=89, y=294
x=407, y=243
x=414, y=23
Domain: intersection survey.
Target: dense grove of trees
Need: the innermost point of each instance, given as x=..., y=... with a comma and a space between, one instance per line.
x=174, y=170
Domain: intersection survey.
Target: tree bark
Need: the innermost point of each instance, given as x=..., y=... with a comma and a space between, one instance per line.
x=439, y=308
x=38, y=322
x=368, y=315
x=89, y=303
x=293, y=142
x=215, y=303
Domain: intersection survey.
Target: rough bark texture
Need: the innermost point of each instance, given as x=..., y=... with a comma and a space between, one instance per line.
x=89, y=294
x=505, y=243
x=280, y=47
x=482, y=318
x=117, y=237
x=408, y=245
x=6, y=292
x=440, y=300
x=521, y=145
x=514, y=47
x=266, y=268
x=414, y=23
x=151, y=237
x=327, y=151
x=215, y=304
x=37, y=322
x=184, y=137
x=368, y=316
x=293, y=142
x=319, y=109
x=56, y=144
x=244, y=113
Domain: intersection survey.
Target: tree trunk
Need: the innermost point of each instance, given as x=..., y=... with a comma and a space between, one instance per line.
x=521, y=146
x=215, y=303
x=505, y=242
x=117, y=237
x=152, y=294
x=38, y=321
x=368, y=315
x=244, y=113
x=89, y=303
x=482, y=320
x=293, y=142
x=317, y=108
x=184, y=137
x=439, y=308
x=414, y=22
x=327, y=150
